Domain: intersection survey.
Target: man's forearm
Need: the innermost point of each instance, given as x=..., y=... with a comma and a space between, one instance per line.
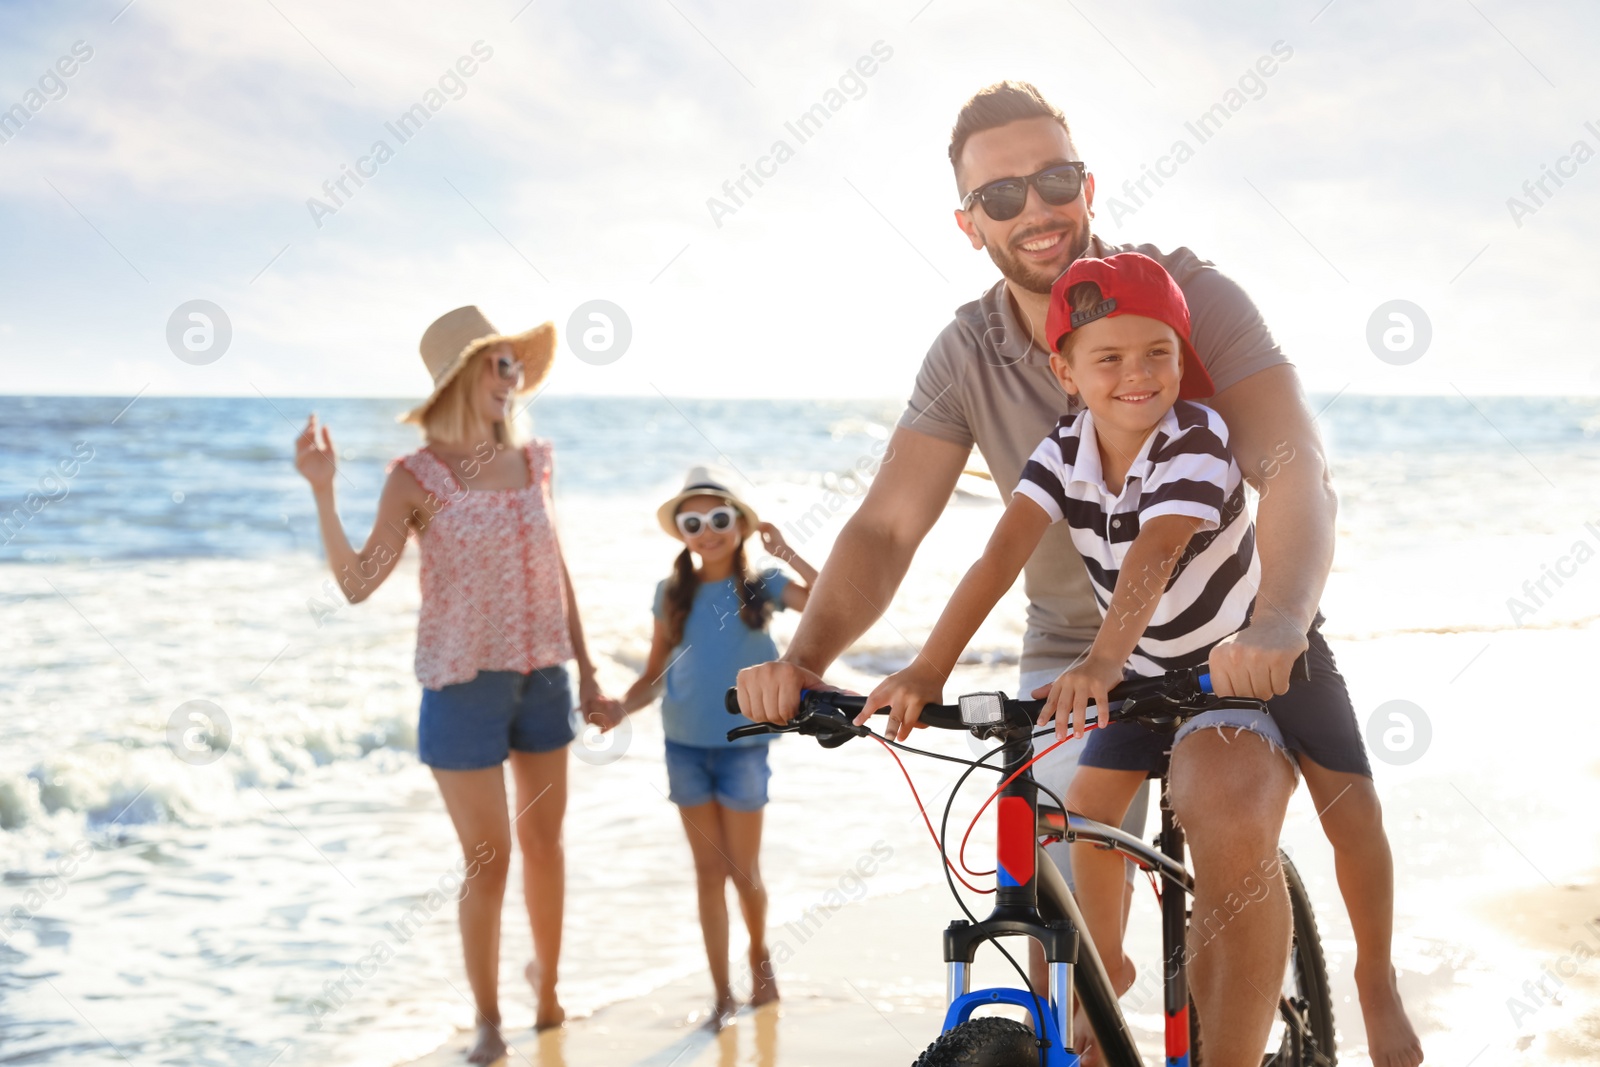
x=1294, y=538
x=858, y=580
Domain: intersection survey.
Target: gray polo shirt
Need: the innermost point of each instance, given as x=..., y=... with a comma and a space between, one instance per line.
x=985, y=383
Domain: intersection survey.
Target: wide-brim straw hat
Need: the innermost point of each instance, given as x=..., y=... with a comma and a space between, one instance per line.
x=703, y=481
x=455, y=337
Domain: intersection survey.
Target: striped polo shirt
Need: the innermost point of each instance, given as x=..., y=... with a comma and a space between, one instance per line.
x=1184, y=468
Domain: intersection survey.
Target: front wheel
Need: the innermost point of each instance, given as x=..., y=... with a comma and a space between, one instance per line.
x=990, y=1041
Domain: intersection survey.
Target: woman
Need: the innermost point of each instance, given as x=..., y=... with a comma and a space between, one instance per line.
x=497, y=623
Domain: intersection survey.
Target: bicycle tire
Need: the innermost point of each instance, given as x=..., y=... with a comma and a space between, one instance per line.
x=1316, y=1047
x=1311, y=980
x=988, y=1041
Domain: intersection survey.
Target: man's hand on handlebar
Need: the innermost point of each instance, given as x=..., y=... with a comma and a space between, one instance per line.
x=1257, y=661
x=904, y=692
x=770, y=692
x=1067, y=699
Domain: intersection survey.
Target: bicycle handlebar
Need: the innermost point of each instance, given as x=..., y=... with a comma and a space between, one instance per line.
x=829, y=715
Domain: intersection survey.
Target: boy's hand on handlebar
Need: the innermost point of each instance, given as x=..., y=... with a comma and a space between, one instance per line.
x=904, y=693
x=770, y=692
x=1071, y=694
x=1257, y=661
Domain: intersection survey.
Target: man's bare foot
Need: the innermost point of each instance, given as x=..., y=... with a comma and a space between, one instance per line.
x=490, y=1046
x=549, y=1013
x=763, y=982
x=1391, y=1041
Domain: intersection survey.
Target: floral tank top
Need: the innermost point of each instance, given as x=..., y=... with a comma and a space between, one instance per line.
x=493, y=598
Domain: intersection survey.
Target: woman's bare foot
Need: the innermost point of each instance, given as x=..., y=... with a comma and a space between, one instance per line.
x=1391, y=1041
x=722, y=1012
x=763, y=982
x=549, y=1013
x=489, y=1047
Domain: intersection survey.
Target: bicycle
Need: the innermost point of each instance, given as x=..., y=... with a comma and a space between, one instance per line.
x=1032, y=899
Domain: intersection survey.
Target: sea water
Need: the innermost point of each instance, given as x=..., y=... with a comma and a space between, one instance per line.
x=288, y=897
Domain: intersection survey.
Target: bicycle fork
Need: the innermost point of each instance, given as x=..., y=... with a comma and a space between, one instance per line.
x=1016, y=913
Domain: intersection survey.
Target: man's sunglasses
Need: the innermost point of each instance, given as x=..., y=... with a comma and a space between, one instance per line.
x=719, y=519
x=1003, y=199
x=509, y=370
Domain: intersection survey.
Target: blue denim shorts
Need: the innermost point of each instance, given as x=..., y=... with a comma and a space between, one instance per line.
x=1314, y=720
x=735, y=777
x=1134, y=746
x=472, y=725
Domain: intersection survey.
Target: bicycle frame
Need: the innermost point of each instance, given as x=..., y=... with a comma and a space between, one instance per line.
x=1026, y=878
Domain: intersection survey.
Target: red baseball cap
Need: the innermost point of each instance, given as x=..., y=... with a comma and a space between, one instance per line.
x=1130, y=284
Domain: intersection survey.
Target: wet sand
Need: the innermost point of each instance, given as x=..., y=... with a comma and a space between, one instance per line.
x=1492, y=828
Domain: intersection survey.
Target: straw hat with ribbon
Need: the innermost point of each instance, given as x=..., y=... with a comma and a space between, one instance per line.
x=703, y=481
x=455, y=337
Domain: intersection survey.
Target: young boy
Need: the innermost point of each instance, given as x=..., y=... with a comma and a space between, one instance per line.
x=1156, y=508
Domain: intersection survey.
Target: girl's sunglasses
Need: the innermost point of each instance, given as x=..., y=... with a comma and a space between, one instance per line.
x=508, y=369
x=719, y=519
x=1003, y=199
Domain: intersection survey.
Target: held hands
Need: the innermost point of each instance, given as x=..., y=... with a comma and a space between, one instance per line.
x=1067, y=699
x=604, y=712
x=314, y=458
x=1256, y=662
x=594, y=707
x=905, y=693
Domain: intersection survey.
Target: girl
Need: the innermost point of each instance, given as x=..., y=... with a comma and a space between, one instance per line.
x=710, y=623
x=497, y=624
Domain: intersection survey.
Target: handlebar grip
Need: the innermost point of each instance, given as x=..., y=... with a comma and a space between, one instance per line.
x=730, y=701
x=1299, y=672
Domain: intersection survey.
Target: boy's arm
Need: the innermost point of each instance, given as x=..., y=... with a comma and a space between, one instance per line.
x=905, y=692
x=1140, y=583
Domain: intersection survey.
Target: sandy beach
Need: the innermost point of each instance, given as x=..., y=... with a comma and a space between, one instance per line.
x=249, y=894
x=1495, y=889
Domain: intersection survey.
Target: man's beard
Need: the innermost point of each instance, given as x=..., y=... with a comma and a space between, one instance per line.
x=1032, y=279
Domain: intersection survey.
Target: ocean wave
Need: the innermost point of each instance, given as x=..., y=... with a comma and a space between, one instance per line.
x=127, y=783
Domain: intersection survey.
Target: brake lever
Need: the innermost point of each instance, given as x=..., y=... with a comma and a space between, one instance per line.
x=757, y=729
x=830, y=726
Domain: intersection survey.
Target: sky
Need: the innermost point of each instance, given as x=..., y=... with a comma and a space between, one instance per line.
x=192, y=155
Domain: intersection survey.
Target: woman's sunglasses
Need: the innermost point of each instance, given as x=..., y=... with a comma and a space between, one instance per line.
x=509, y=370
x=1003, y=199
x=719, y=519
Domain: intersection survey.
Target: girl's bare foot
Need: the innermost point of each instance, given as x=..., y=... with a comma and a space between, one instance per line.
x=490, y=1046
x=763, y=982
x=1391, y=1041
x=549, y=1013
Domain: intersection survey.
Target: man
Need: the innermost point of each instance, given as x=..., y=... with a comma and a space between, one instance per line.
x=987, y=381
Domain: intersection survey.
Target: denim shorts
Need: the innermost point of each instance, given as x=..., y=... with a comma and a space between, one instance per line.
x=476, y=724
x=734, y=776
x=1313, y=720
x=1134, y=746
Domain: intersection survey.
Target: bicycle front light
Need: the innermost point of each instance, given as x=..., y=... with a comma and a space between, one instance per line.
x=982, y=709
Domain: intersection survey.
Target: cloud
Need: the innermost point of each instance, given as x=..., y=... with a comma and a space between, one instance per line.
x=579, y=160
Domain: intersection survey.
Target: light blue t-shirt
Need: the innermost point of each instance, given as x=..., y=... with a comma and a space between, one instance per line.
x=716, y=645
